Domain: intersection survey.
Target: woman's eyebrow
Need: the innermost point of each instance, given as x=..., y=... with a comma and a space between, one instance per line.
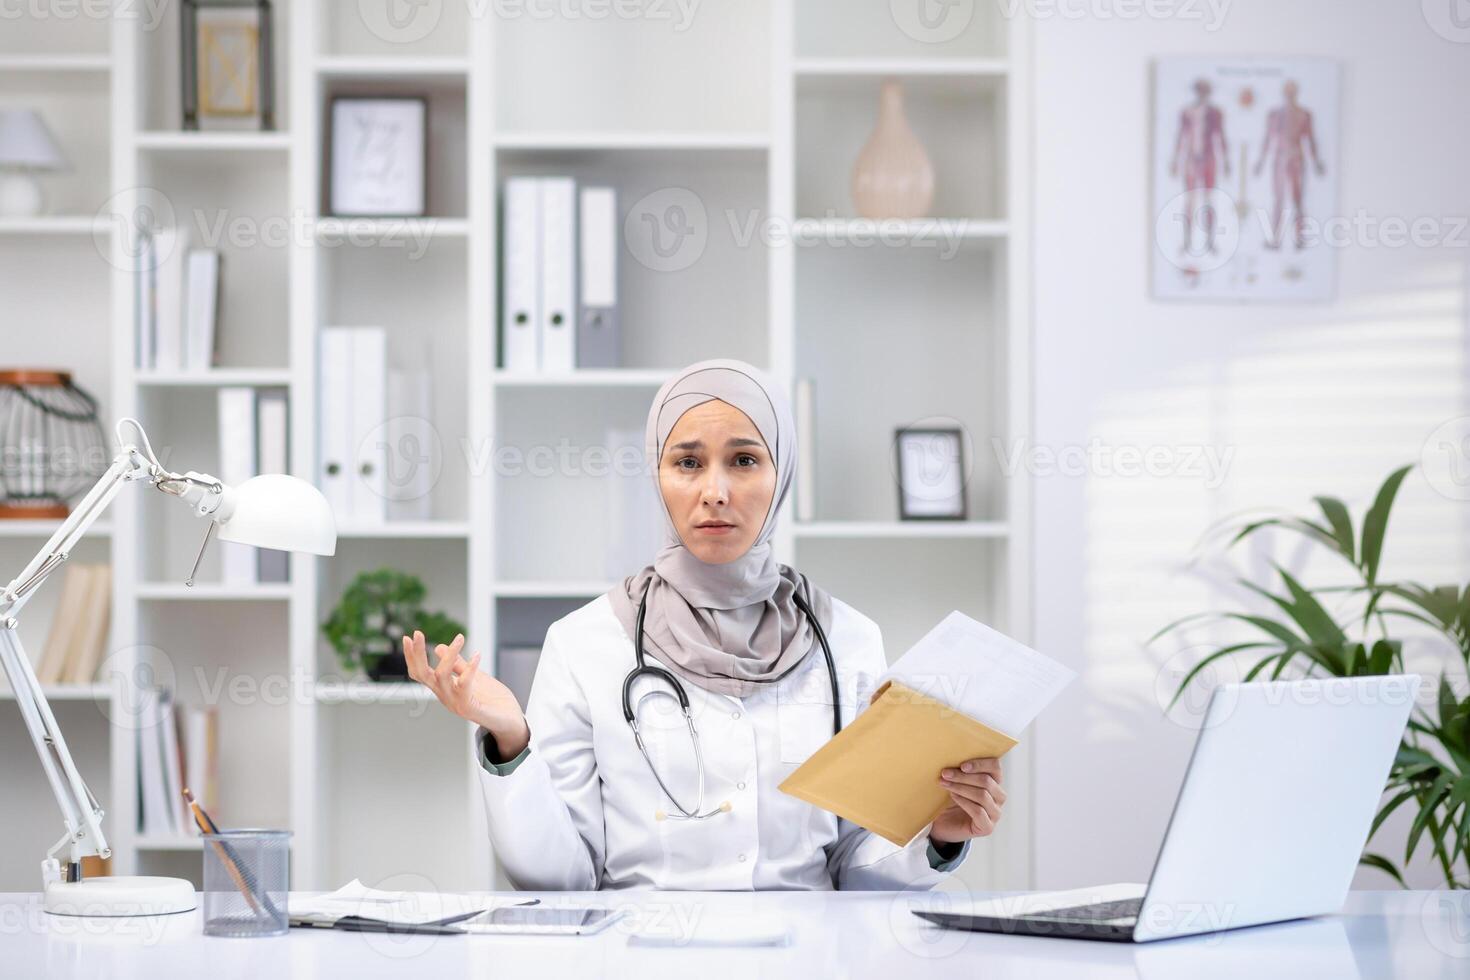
x=736, y=441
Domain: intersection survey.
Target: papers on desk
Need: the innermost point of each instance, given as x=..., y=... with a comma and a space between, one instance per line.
x=715, y=929
x=398, y=908
x=981, y=673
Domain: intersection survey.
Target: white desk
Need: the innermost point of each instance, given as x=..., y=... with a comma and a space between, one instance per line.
x=1422, y=935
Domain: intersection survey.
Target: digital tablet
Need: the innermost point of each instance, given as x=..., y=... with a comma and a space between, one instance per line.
x=541, y=920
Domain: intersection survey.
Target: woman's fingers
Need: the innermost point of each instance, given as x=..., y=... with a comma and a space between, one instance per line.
x=980, y=821
x=979, y=796
x=983, y=780
x=447, y=658
x=418, y=663
x=987, y=766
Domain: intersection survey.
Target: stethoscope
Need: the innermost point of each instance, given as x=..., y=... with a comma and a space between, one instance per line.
x=699, y=813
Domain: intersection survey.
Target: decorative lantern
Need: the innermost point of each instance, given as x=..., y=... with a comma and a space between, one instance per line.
x=51, y=443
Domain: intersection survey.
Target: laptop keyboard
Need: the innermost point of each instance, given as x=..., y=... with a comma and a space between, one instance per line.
x=1126, y=908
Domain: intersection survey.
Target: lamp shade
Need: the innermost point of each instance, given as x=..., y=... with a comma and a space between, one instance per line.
x=281, y=512
x=26, y=143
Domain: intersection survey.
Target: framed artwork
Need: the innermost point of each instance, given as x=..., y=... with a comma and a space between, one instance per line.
x=377, y=156
x=931, y=474
x=1245, y=170
x=227, y=64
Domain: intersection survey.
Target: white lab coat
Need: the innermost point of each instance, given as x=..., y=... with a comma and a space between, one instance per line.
x=579, y=811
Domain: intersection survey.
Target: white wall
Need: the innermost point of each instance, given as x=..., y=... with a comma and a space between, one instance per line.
x=1308, y=399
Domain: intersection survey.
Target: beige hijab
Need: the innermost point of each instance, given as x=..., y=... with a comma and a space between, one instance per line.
x=730, y=628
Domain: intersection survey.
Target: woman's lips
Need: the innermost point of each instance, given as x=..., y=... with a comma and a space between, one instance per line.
x=714, y=528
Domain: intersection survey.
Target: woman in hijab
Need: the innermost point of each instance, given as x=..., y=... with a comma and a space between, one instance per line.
x=576, y=803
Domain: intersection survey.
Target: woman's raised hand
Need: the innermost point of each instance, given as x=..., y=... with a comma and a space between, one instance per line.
x=464, y=689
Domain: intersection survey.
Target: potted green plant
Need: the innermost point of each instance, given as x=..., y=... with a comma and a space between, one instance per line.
x=374, y=613
x=1299, y=636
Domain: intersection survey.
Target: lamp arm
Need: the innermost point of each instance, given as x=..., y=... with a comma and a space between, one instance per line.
x=79, y=808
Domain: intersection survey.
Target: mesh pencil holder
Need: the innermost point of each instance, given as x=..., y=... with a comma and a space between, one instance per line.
x=247, y=874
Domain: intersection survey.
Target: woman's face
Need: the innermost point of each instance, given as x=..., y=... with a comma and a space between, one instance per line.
x=717, y=479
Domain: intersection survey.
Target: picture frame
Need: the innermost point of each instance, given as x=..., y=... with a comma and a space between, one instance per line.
x=377, y=156
x=227, y=64
x=930, y=464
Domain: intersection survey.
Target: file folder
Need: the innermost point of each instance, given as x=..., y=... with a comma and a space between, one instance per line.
x=558, y=339
x=598, y=341
x=881, y=772
x=520, y=262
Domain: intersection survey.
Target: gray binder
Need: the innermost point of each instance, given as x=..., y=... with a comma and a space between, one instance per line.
x=599, y=328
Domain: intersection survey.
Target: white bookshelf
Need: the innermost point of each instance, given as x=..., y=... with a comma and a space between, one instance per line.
x=774, y=100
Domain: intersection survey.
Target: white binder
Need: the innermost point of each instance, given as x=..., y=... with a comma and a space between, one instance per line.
x=369, y=385
x=598, y=342
x=558, y=274
x=520, y=262
x=334, y=367
x=236, y=465
x=170, y=246
x=272, y=455
x=201, y=306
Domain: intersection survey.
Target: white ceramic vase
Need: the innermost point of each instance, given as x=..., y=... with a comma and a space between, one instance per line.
x=893, y=177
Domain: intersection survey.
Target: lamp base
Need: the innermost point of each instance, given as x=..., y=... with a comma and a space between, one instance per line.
x=121, y=895
x=20, y=196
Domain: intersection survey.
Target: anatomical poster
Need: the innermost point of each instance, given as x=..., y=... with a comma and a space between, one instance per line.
x=1244, y=202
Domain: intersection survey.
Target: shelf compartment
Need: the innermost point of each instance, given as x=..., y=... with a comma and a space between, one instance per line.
x=746, y=141
x=441, y=564
x=373, y=34
x=86, y=226
x=958, y=119
x=49, y=64
x=709, y=74
x=331, y=232
x=66, y=692
x=933, y=353
x=212, y=142
x=446, y=177
x=683, y=295
x=867, y=232
x=28, y=528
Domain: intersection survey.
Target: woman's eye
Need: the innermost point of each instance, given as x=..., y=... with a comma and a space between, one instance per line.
x=686, y=459
x=741, y=459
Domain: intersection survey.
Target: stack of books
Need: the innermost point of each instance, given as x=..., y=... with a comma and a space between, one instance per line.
x=177, y=747
x=177, y=298
x=79, y=626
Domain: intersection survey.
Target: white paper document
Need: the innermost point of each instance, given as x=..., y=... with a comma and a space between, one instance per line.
x=399, y=908
x=981, y=673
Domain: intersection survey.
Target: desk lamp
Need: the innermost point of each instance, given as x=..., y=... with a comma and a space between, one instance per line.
x=270, y=511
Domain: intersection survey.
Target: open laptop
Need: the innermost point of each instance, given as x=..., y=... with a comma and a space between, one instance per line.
x=1275, y=809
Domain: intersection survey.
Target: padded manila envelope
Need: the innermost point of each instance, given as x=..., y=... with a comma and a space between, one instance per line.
x=882, y=771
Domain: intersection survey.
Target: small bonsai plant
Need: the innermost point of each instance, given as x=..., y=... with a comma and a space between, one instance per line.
x=375, y=612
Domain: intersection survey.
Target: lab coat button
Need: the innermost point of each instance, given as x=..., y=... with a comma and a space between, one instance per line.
x=739, y=785
x=735, y=715
x=740, y=858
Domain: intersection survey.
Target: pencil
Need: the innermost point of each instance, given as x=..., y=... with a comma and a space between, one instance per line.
x=242, y=878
